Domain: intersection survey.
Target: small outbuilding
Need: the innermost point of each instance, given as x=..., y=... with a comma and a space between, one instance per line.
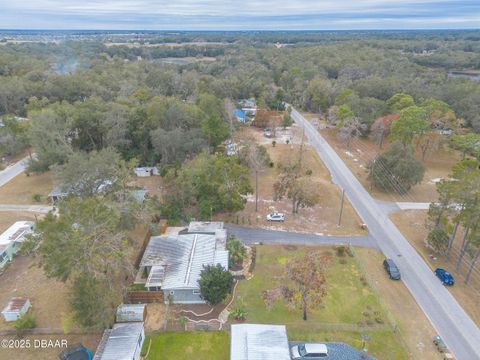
x=259, y=341
x=131, y=313
x=146, y=171
x=123, y=342
x=17, y=307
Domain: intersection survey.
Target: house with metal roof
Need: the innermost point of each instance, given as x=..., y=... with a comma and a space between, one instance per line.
x=259, y=341
x=61, y=192
x=173, y=263
x=123, y=342
x=11, y=240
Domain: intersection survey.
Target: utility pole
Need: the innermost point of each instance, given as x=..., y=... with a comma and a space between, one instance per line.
x=341, y=208
x=256, y=190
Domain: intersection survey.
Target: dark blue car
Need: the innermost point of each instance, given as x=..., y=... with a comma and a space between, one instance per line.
x=444, y=276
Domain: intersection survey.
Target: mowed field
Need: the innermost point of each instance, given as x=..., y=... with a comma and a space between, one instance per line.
x=319, y=219
x=20, y=189
x=213, y=345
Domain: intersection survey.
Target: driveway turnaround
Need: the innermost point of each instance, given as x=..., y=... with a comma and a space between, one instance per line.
x=250, y=235
x=456, y=328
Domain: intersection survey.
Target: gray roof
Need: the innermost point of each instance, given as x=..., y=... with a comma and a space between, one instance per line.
x=204, y=227
x=130, y=312
x=120, y=343
x=58, y=192
x=259, y=342
x=179, y=259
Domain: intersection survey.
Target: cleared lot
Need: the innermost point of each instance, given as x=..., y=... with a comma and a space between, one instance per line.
x=321, y=218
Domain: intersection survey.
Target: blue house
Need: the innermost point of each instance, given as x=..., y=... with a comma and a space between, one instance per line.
x=240, y=115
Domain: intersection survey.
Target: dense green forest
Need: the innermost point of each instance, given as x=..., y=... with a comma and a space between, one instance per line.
x=85, y=95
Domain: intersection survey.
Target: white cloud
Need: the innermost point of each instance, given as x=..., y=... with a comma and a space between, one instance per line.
x=218, y=14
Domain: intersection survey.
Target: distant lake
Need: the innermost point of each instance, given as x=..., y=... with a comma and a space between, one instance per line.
x=467, y=74
x=186, y=60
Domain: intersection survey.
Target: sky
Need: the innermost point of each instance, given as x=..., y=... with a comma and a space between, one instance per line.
x=239, y=15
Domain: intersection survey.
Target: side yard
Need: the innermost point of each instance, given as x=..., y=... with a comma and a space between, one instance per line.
x=412, y=225
x=20, y=190
x=413, y=326
x=351, y=308
x=187, y=345
x=8, y=218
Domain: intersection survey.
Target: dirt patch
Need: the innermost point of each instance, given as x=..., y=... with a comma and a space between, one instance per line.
x=155, y=317
x=413, y=326
x=48, y=296
x=412, y=225
x=362, y=151
x=320, y=219
x=7, y=219
x=151, y=183
x=20, y=189
x=290, y=247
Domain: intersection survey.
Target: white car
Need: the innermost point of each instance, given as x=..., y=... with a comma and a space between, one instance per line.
x=276, y=216
x=309, y=351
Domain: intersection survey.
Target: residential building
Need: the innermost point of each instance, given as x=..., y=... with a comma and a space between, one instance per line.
x=59, y=192
x=11, y=241
x=173, y=263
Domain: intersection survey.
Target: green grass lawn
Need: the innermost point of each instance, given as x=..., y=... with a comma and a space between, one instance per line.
x=349, y=309
x=188, y=346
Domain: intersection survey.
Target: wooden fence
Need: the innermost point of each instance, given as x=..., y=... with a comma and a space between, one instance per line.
x=143, y=297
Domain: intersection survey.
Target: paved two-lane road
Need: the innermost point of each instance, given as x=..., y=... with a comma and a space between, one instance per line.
x=255, y=235
x=10, y=172
x=459, y=332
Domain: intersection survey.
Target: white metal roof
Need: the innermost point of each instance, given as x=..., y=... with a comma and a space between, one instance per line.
x=259, y=342
x=16, y=232
x=121, y=342
x=181, y=258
